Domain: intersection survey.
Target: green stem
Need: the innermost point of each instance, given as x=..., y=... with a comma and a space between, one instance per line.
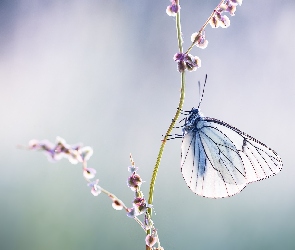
x=178, y=30
x=172, y=124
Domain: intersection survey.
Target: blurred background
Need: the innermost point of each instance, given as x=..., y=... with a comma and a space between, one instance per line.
x=101, y=73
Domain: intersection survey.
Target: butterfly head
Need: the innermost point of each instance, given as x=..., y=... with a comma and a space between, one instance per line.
x=191, y=121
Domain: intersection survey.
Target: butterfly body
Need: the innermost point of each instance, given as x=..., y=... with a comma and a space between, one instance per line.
x=218, y=160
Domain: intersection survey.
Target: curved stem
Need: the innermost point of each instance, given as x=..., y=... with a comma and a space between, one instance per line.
x=157, y=165
x=156, y=168
x=172, y=124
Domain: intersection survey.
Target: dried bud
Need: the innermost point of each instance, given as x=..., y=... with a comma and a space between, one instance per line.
x=117, y=205
x=224, y=22
x=95, y=189
x=138, y=201
x=141, y=205
x=150, y=240
x=181, y=66
x=219, y=20
x=172, y=9
x=192, y=62
x=134, y=182
x=229, y=7
x=86, y=153
x=187, y=61
x=199, y=40
x=179, y=57
x=89, y=173
x=214, y=22
x=133, y=212
x=237, y=2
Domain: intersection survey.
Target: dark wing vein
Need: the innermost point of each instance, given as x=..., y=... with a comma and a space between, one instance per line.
x=257, y=153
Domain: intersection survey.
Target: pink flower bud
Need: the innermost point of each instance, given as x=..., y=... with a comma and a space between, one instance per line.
x=150, y=240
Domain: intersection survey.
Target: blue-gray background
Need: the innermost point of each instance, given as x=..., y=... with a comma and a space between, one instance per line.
x=101, y=72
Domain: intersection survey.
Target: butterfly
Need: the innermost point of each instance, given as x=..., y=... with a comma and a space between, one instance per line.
x=219, y=160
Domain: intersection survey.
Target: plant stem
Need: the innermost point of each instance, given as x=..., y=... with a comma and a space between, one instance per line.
x=172, y=124
x=178, y=30
x=204, y=26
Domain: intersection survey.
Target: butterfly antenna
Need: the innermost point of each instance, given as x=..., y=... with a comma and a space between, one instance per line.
x=203, y=90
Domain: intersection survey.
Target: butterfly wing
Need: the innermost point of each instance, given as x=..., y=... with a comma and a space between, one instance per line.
x=260, y=161
x=218, y=160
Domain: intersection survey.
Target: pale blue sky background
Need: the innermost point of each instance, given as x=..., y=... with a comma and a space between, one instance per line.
x=101, y=72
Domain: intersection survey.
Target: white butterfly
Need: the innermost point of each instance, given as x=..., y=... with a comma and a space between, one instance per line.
x=218, y=160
